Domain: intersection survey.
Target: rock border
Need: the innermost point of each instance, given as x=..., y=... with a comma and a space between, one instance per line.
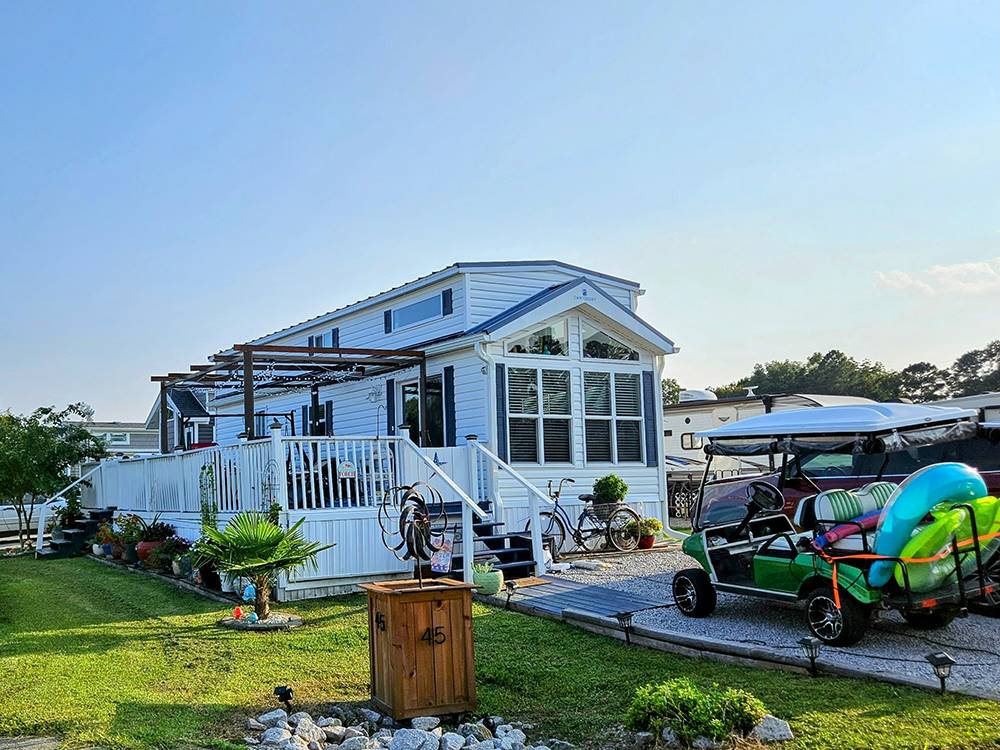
x=277, y=621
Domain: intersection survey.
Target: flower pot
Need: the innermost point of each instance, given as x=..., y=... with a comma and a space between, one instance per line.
x=488, y=583
x=117, y=550
x=108, y=549
x=130, y=556
x=142, y=549
x=97, y=549
x=175, y=565
x=186, y=566
x=646, y=541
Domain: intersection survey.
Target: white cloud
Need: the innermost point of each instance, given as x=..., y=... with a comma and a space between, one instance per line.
x=980, y=277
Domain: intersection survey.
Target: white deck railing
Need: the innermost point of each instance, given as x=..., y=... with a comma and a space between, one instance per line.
x=321, y=477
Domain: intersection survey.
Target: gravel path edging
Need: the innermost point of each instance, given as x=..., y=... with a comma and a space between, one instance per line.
x=704, y=647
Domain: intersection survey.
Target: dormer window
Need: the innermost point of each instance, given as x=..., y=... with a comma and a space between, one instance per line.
x=552, y=340
x=599, y=345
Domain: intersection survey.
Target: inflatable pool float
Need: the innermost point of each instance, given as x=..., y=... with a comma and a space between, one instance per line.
x=910, y=504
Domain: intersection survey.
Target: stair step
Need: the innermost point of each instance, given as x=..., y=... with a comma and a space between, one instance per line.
x=76, y=532
x=500, y=553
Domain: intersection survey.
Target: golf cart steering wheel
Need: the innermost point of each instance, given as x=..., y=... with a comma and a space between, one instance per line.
x=760, y=496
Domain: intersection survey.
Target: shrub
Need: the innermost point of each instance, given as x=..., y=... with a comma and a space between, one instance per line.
x=610, y=489
x=130, y=527
x=155, y=531
x=692, y=712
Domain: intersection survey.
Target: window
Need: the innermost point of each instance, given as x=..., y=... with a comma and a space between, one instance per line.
x=116, y=438
x=599, y=345
x=417, y=312
x=435, y=411
x=539, y=416
x=551, y=340
x=612, y=405
x=689, y=442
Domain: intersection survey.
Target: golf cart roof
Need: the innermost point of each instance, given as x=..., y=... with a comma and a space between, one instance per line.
x=832, y=429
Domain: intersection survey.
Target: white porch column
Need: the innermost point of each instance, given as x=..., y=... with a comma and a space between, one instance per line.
x=468, y=535
x=280, y=466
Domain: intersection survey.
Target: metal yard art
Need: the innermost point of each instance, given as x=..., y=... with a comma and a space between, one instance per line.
x=407, y=517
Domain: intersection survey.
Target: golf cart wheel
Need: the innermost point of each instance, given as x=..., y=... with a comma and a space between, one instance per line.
x=694, y=593
x=843, y=626
x=922, y=620
x=623, y=529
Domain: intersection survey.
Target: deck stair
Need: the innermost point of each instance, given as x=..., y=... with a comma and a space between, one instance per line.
x=74, y=541
x=509, y=551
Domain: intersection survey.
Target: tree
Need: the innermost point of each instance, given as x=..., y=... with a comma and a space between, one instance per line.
x=977, y=371
x=671, y=391
x=922, y=382
x=36, y=453
x=252, y=546
x=832, y=373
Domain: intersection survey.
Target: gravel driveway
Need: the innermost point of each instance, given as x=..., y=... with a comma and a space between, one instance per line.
x=891, y=646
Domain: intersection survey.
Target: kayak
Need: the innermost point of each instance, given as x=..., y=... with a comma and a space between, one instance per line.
x=909, y=505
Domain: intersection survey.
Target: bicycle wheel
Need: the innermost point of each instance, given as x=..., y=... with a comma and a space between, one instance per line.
x=593, y=535
x=553, y=527
x=623, y=529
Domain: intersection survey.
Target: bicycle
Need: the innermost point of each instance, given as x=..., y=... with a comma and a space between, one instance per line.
x=597, y=525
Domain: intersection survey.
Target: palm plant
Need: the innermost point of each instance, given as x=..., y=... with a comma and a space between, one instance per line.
x=254, y=547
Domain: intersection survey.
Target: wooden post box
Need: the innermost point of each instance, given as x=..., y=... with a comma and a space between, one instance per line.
x=420, y=647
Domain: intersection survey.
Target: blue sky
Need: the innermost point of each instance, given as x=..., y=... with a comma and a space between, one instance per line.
x=781, y=177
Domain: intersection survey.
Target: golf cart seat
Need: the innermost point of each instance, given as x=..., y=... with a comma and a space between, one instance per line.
x=841, y=506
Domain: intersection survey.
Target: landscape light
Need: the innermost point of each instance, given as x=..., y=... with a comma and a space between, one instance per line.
x=810, y=649
x=284, y=695
x=625, y=623
x=942, y=664
x=511, y=587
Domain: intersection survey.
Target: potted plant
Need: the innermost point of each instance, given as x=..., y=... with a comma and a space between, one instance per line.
x=487, y=578
x=253, y=547
x=151, y=536
x=95, y=547
x=105, y=537
x=208, y=575
x=609, y=491
x=130, y=527
x=181, y=564
x=163, y=556
x=117, y=546
x=649, y=528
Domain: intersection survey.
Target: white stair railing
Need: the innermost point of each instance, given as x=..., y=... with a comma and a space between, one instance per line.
x=51, y=503
x=534, y=496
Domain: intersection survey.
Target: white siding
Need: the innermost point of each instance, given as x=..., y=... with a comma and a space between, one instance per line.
x=493, y=292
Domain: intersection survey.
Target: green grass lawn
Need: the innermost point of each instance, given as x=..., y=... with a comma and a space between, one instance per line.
x=101, y=656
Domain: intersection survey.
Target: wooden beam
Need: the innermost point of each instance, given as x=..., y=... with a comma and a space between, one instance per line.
x=164, y=445
x=415, y=353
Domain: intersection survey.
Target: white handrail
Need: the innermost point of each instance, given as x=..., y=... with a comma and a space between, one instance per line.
x=447, y=479
x=43, y=509
x=508, y=469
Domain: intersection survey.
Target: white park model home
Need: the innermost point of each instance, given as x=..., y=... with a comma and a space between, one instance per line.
x=547, y=363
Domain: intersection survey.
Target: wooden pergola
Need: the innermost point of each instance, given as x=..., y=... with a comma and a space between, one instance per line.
x=249, y=368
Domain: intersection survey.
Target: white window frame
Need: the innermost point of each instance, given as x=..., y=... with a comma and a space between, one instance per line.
x=614, y=418
x=583, y=345
x=540, y=416
x=696, y=442
x=401, y=403
x=438, y=316
x=107, y=437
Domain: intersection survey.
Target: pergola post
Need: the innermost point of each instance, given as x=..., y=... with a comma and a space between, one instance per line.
x=248, y=394
x=164, y=442
x=422, y=404
x=313, y=410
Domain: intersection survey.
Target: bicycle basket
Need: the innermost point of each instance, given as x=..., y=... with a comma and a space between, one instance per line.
x=603, y=511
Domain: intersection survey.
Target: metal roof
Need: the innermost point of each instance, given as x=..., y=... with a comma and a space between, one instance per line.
x=838, y=420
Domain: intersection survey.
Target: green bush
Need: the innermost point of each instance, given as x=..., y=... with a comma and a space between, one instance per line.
x=610, y=489
x=693, y=712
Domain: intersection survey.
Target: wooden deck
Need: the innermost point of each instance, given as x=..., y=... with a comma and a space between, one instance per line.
x=559, y=593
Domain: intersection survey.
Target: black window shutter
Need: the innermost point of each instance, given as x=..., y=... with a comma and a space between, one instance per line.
x=649, y=406
x=305, y=420
x=446, y=303
x=335, y=338
x=502, y=413
x=328, y=417
x=390, y=406
x=449, y=405
x=387, y=318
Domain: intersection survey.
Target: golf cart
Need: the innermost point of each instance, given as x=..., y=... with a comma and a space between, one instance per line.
x=928, y=547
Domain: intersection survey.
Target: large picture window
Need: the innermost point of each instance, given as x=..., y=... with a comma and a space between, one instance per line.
x=599, y=345
x=612, y=404
x=552, y=340
x=539, y=415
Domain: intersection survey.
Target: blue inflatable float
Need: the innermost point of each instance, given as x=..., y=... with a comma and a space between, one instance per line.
x=909, y=505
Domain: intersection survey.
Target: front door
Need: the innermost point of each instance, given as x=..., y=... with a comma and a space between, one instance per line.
x=410, y=400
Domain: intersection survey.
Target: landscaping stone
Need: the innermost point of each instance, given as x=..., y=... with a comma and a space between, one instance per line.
x=328, y=721
x=255, y=726
x=294, y=743
x=477, y=730
x=705, y=743
x=555, y=744
x=670, y=738
x=316, y=745
x=413, y=739
x=350, y=732
x=298, y=716
x=274, y=735
x=271, y=718
x=373, y=716
x=451, y=741
x=251, y=741
x=644, y=740
x=500, y=730
x=309, y=731
x=426, y=723
x=772, y=729
x=334, y=732
x=358, y=743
